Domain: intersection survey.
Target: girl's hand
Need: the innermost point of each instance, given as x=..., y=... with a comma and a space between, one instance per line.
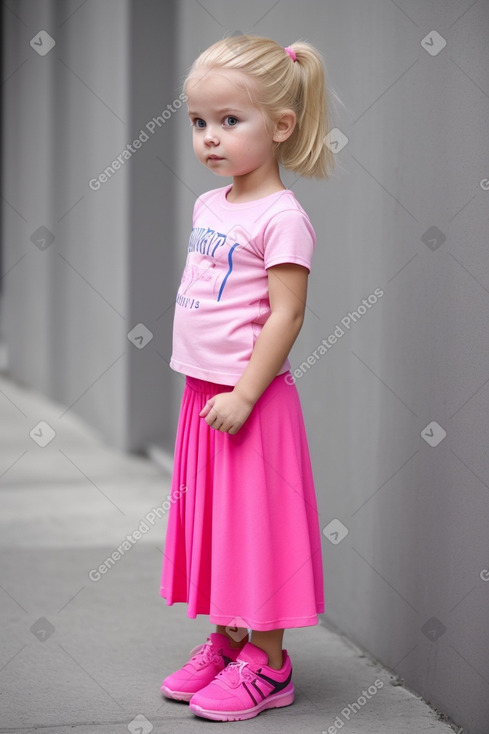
x=226, y=412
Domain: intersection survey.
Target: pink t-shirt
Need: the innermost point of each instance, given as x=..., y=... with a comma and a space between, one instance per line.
x=223, y=302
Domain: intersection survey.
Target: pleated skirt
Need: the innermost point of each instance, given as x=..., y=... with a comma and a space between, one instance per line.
x=243, y=541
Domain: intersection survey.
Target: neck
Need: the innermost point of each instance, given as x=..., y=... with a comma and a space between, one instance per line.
x=256, y=184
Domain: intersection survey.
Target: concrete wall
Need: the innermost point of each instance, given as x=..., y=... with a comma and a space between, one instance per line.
x=405, y=212
x=69, y=305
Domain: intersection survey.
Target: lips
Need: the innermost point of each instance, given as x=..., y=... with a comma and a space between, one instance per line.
x=214, y=158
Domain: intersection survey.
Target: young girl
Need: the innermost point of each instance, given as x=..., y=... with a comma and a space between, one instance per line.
x=243, y=543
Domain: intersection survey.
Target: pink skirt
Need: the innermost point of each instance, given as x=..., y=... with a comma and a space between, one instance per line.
x=243, y=542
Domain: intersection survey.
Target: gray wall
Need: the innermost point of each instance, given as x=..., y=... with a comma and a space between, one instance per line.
x=67, y=309
x=407, y=583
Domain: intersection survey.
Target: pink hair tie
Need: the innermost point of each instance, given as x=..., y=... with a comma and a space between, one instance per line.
x=291, y=53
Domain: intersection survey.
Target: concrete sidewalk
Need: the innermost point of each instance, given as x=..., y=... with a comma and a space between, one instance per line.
x=84, y=651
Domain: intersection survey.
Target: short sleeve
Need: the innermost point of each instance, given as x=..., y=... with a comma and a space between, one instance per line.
x=289, y=237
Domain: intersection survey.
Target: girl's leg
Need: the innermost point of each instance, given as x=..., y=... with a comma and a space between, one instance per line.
x=238, y=638
x=271, y=642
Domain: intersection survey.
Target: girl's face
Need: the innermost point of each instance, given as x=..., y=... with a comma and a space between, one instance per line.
x=230, y=136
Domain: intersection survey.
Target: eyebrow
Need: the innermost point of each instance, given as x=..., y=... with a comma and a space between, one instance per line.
x=220, y=112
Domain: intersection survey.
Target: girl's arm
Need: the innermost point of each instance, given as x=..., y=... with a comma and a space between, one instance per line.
x=287, y=287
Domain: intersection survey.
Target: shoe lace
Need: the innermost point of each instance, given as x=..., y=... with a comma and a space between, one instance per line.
x=235, y=672
x=204, y=654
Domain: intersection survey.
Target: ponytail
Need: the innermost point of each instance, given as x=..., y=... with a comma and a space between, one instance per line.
x=305, y=151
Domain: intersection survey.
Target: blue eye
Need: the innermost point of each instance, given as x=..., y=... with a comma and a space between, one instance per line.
x=199, y=122
x=231, y=121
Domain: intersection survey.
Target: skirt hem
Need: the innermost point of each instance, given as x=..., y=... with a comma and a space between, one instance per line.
x=260, y=626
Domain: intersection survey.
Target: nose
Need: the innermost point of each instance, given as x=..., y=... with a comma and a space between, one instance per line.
x=210, y=137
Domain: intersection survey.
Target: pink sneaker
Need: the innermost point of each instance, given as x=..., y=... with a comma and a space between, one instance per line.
x=207, y=660
x=245, y=688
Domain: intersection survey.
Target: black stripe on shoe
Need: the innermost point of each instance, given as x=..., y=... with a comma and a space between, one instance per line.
x=249, y=693
x=277, y=685
x=253, y=683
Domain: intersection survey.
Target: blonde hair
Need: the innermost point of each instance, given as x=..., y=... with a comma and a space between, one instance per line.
x=281, y=83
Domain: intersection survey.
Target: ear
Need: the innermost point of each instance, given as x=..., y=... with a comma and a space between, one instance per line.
x=284, y=127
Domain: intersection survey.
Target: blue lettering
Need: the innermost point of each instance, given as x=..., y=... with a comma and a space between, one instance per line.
x=205, y=241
